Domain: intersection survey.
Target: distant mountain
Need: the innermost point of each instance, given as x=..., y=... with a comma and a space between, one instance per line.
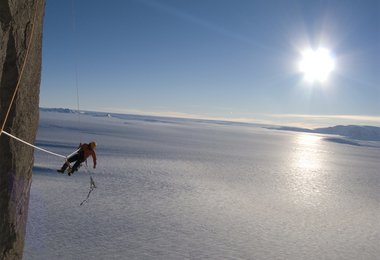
x=59, y=110
x=364, y=133
x=290, y=128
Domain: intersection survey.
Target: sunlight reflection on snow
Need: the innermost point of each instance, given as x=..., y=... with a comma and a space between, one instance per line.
x=307, y=156
x=306, y=178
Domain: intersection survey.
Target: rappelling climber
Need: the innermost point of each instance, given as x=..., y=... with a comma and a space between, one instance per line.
x=83, y=152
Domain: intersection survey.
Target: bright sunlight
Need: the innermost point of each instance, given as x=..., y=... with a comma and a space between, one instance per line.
x=316, y=65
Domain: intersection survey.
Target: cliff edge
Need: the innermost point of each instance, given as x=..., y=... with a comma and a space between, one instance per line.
x=19, y=20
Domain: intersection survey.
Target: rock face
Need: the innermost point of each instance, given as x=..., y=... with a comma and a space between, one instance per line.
x=19, y=20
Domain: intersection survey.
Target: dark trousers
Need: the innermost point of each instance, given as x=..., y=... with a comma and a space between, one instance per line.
x=77, y=158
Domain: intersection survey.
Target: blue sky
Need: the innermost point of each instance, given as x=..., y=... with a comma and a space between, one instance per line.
x=233, y=59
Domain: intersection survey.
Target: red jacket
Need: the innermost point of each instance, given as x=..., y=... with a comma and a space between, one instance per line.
x=87, y=151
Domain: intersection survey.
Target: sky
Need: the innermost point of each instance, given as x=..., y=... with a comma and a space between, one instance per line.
x=220, y=59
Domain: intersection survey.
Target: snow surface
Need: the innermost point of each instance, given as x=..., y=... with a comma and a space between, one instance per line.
x=183, y=189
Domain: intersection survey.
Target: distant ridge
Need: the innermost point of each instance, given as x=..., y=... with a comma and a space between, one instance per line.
x=150, y=118
x=364, y=133
x=367, y=133
x=59, y=110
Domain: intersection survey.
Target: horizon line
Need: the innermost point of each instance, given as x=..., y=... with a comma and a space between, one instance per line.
x=296, y=120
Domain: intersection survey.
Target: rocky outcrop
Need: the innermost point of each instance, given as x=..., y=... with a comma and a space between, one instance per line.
x=17, y=18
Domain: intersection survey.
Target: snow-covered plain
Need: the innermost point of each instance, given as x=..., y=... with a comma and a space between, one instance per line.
x=183, y=189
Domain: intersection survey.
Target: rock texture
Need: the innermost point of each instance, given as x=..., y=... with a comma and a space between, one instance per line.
x=17, y=18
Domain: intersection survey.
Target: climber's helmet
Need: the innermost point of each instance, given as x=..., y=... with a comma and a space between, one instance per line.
x=93, y=145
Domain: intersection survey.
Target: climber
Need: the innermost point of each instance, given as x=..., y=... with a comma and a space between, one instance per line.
x=81, y=155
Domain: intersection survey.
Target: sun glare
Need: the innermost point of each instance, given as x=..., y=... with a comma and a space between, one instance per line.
x=316, y=65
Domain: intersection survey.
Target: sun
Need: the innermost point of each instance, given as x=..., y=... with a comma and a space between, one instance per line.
x=316, y=65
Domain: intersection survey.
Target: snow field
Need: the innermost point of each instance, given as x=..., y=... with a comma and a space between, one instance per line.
x=182, y=189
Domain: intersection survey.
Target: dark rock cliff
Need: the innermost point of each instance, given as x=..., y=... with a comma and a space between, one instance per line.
x=19, y=20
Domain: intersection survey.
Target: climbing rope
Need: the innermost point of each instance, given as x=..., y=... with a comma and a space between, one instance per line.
x=74, y=24
x=39, y=148
x=18, y=86
x=22, y=69
x=34, y=146
x=75, y=51
x=2, y=131
x=92, y=187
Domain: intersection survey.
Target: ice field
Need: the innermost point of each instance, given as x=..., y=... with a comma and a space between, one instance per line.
x=190, y=189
